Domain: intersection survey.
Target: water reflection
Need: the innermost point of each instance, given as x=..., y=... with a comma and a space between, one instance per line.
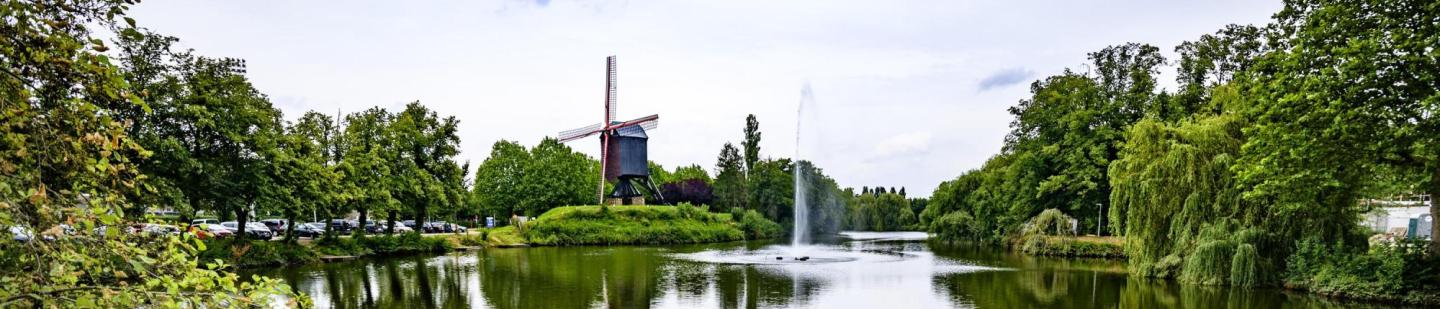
x=931, y=275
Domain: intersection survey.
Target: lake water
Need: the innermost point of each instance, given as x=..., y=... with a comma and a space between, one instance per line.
x=857, y=270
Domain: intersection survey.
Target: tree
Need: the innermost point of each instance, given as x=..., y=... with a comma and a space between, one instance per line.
x=372, y=167
x=693, y=191
x=1354, y=83
x=556, y=176
x=66, y=159
x=497, y=188
x=691, y=172
x=427, y=146
x=730, y=180
x=751, y=143
x=772, y=189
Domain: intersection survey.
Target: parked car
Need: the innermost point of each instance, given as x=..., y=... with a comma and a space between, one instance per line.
x=343, y=226
x=277, y=226
x=205, y=221
x=310, y=230
x=160, y=229
x=254, y=230
x=443, y=227
x=216, y=230
x=378, y=227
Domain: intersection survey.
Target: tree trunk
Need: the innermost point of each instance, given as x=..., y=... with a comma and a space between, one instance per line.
x=290, y=227
x=240, y=219
x=390, y=224
x=329, y=228
x=361, y=229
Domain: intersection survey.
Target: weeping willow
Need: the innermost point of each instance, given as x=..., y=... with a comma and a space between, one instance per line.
x=1173, y=182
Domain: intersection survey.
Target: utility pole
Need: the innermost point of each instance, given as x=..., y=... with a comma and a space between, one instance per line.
x=1101, y=216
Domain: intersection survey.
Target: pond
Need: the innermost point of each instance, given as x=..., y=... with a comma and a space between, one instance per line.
x=854, y=270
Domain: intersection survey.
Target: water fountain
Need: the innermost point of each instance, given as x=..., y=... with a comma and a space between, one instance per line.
x=801, y=249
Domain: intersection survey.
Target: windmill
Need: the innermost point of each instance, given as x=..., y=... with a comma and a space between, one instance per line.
x=623, y=157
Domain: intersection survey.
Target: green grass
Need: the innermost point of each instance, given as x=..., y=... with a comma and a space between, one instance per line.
x=614, y=225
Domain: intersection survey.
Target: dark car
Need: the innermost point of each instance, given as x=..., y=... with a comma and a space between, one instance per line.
x=311, y=230
x=443, y=227
x=277, y=226
x=344, y=226
x=254, y=230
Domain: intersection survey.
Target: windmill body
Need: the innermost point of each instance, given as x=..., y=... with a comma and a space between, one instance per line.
x=623, y=150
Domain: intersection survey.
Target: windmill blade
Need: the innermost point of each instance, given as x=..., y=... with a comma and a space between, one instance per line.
x=647, y=122
x=611, y=102
x=578, y=133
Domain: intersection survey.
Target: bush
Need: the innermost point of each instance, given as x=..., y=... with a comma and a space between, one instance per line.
x=246, y=253
x=756, y=226
x=684, y=223
x=954, y=226
x=1049, y=222
x=387, y=244
x=1398, y=272
x=1073, y=247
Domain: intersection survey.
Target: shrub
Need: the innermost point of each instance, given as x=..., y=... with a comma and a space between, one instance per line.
x=1049, y=222
x=1387, y=272
x=247, y=253
x=954, y=225
x=684, y=223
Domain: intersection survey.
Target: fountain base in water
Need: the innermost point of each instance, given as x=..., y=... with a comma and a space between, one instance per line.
x=785, y=255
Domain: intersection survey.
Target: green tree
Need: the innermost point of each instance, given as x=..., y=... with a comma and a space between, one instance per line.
x=556, y=176
x=693, y=171
x=67, y=159
x=497, y=188
x=371, y=164
x=751, y=143
x=730, y=180
x=1354, y=89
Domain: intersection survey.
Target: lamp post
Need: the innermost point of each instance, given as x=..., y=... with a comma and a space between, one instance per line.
x=1100, y=215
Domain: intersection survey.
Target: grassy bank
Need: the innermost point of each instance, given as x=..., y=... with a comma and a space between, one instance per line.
x=1074, y=246
x=246, y=253
x=614, y=225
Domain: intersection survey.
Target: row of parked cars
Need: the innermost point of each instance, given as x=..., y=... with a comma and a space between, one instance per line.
x=270, y=228
x=262, y=230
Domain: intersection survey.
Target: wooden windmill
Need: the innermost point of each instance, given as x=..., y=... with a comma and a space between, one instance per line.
x=623, y=159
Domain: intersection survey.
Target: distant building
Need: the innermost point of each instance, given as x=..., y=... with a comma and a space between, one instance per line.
x=1409, y=218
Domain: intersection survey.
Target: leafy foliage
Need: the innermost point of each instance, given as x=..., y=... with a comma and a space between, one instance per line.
x=67, y=157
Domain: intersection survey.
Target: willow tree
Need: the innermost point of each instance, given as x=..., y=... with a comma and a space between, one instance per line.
x=1172, y=182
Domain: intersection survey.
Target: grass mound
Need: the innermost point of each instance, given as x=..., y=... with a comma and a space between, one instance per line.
x=613, y=225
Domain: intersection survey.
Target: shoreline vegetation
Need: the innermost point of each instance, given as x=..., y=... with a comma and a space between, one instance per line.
x=561, y=226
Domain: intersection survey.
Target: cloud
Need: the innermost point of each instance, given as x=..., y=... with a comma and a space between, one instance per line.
x=1005, y=77
x=902, y=145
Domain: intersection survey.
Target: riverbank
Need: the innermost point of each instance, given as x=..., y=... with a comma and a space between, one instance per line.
x=1074, y=246
x=244, y=253
x=562, y=226
x=618, y=225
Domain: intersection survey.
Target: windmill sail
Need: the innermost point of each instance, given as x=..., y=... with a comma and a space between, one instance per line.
x=578, y=133
x=610, y=94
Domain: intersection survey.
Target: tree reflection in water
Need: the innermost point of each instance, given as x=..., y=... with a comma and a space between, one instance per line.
x=655, y=277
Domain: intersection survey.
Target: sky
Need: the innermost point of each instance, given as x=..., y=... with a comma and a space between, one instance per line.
x=903, y=93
